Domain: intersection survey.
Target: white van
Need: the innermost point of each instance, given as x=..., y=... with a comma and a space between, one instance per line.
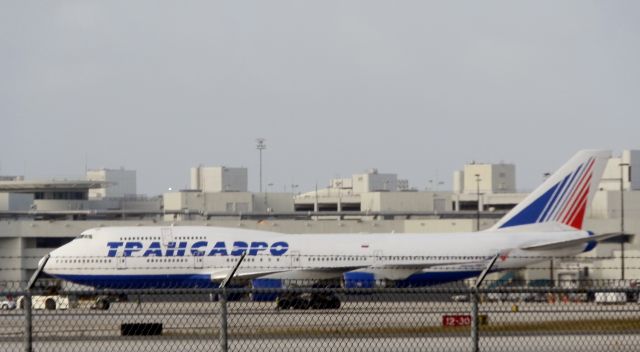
x=611, y=297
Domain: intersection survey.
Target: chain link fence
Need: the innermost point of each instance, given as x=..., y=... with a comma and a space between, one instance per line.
x=599, y=315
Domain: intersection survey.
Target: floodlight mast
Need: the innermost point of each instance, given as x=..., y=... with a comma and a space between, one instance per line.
x=261, y=145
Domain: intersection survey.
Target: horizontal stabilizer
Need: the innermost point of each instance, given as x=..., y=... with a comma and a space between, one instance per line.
x=568, y=243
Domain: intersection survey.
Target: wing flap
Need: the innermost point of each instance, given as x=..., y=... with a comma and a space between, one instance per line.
x=243, y=275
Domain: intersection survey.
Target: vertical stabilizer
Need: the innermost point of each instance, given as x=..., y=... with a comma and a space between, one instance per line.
x=564, y=196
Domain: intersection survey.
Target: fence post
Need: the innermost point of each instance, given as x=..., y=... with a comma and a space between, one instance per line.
x=474, y=321
x=28, y=322
x=224, y=346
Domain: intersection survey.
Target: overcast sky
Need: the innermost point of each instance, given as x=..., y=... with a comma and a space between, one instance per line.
x=416, y=88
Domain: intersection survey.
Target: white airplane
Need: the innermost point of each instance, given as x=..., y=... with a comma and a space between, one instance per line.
x=545, y=224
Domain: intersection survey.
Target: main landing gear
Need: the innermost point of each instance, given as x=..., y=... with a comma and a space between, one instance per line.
x=306, y=300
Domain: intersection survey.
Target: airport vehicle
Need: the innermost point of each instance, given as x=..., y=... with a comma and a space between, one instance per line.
x=46, y=302
x=615, y=297
x=611, y=297
x=7, y=303
x=546, y=223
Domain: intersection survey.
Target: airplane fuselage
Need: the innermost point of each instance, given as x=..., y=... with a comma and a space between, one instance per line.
x=184, y=256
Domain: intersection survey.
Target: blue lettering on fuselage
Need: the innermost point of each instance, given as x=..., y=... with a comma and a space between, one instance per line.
x=131, y=247
x=195, y=248
x=113, y=248
x=239, y=247
x=219, y=249
x=200, y=248
x=171, y=249
x=279, y=248
x=257, y=247
x=153, y=250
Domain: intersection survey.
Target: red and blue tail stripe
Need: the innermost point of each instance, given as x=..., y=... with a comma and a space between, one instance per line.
x=564, y=202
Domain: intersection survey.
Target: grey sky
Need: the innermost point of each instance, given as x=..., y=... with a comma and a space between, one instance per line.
x=412, y=87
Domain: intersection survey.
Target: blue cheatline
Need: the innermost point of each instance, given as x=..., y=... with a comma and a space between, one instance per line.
x=265, y=283
x=142, y=281
x=435, y=278
x=368, y=280
x=351, y=280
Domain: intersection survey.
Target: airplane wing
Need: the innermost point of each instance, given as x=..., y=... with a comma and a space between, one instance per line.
x=422, y=266
x=395, y=271
x=568, y=243
x=243, y=275
x=296, y=273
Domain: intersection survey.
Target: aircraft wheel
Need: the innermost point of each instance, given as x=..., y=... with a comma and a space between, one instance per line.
x=102, y=304
x=283, y=304
x=50, y=304
x=334, y=303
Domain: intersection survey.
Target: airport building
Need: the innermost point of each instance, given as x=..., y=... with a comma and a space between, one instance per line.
x=117, y=183
x=38, y=216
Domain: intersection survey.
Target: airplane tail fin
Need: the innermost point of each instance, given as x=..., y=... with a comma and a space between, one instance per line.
x=563, y=197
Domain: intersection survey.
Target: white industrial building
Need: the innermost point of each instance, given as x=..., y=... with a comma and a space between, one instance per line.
x=487, y=187
x=37, y=216
x=371, y=192
x=221, y=190
x=219, y=179
x=117, y=183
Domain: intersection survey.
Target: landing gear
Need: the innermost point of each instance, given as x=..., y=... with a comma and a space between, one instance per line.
x=325, y=301
x=101, y=303
x=321, y=300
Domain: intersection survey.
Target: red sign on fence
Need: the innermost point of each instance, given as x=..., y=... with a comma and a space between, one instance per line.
x=456, y=320
x=462, y=320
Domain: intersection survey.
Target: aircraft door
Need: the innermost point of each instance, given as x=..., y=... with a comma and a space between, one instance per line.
x=295, y=260
x=121, y=261
x=378, y=258
x=198, y=261
x=167, y=235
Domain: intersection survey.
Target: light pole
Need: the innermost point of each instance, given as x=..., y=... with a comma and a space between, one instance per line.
x=339, y=205
x=622, y=236
x=266, y=200
x=478, y=197
x=261, y=145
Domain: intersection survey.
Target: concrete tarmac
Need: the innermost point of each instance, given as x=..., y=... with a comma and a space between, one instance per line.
x=356, y=326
